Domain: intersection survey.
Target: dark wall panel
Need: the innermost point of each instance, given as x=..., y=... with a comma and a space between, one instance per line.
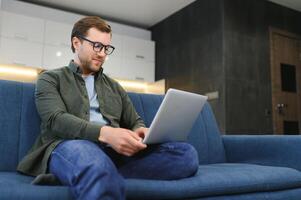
x=189, y=51
x=247, y=71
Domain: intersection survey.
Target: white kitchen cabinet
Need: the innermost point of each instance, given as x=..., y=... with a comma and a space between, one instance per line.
x=57, y=45
x=22, y=27
x=112, y=67
x=138, y=59
x=56, y=56
x=138, y=70
x=37, y=42
x=138, y=49
x=20, y=52
x=117, y=43
x=58, y=33
x=1, y=14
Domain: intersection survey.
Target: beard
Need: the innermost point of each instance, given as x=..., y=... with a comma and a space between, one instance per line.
x=88, y=66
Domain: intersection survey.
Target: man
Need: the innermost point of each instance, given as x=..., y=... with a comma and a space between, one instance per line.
x=91, y=133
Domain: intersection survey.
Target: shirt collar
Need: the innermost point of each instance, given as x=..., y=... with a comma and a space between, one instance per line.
x=76, y=69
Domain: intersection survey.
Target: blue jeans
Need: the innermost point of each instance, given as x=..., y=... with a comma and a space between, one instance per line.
x=94, y=171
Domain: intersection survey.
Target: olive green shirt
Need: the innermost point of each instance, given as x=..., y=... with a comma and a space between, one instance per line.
x=63, y=105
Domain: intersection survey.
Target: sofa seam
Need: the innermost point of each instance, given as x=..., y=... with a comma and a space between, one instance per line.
x=20, y=120
x=206, y=135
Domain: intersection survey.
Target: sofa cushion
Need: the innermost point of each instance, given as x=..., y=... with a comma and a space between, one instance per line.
x=19, y=121
x=205, y=137
x=235, y=181
x=30, y=120
x=210, y=180
x=146, y=105
x=218, y=179
x=10, y=117
x=16, y=186
x=290, y=194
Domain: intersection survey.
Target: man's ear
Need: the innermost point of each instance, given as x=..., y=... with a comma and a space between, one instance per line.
x=76, y=43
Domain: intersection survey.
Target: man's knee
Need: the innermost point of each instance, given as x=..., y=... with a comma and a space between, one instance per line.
x=184, y=157
x=80, y=156
x=83, y=164
x=80, y=152
x=181, y=148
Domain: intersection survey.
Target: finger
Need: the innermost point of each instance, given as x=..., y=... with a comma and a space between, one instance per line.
x=135, y=144
x=133, y=140
x=136, y=136
x=142, y=134
x=128, y=142
x=127, y=151
x=130, y=150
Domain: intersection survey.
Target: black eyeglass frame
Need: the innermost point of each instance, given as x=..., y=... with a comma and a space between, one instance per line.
x=101, y=46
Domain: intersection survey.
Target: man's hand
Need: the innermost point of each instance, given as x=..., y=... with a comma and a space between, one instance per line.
x=123, y=141
x=141, y=132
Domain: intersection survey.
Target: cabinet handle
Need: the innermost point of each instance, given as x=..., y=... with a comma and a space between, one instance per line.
x=139, y=78
x=139, y=56
x=21, y=37
x=18, y=63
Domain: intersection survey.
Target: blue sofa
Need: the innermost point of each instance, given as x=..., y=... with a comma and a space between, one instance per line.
x=231, y=167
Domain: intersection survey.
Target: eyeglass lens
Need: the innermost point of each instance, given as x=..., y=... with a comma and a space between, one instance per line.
x=98, y=47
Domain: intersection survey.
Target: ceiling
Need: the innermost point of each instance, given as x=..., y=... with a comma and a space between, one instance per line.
x=140, y=13
x=293, y=4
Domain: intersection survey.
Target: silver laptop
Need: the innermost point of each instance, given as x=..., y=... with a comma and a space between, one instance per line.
x=175, y=117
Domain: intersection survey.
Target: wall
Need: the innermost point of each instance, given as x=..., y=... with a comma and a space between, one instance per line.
x=223, y=45
x=247, y=61
x=247, y=73
x=189, y=51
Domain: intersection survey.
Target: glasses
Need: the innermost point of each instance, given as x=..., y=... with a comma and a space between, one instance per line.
x=98, y=46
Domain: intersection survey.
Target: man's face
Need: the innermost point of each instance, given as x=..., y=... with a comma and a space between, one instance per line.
x=88, y=59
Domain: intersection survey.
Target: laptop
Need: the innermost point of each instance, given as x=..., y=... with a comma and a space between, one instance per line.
x=175, y=117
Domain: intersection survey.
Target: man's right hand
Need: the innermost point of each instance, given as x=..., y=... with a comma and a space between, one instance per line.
x=123, y=141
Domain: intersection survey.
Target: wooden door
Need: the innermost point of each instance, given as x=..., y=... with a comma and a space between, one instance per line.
x=285, y=81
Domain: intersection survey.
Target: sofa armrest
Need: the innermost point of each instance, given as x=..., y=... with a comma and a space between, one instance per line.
x=270, y=150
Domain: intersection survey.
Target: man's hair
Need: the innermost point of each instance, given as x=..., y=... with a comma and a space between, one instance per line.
x=82, y=26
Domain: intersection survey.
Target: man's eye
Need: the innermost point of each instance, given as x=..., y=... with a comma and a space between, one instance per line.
x=98, y=45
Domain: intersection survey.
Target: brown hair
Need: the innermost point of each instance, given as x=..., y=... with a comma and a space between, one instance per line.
x=82, y=26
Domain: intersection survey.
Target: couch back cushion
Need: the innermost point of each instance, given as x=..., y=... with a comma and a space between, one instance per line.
x=19, y=122
x=204, y=135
